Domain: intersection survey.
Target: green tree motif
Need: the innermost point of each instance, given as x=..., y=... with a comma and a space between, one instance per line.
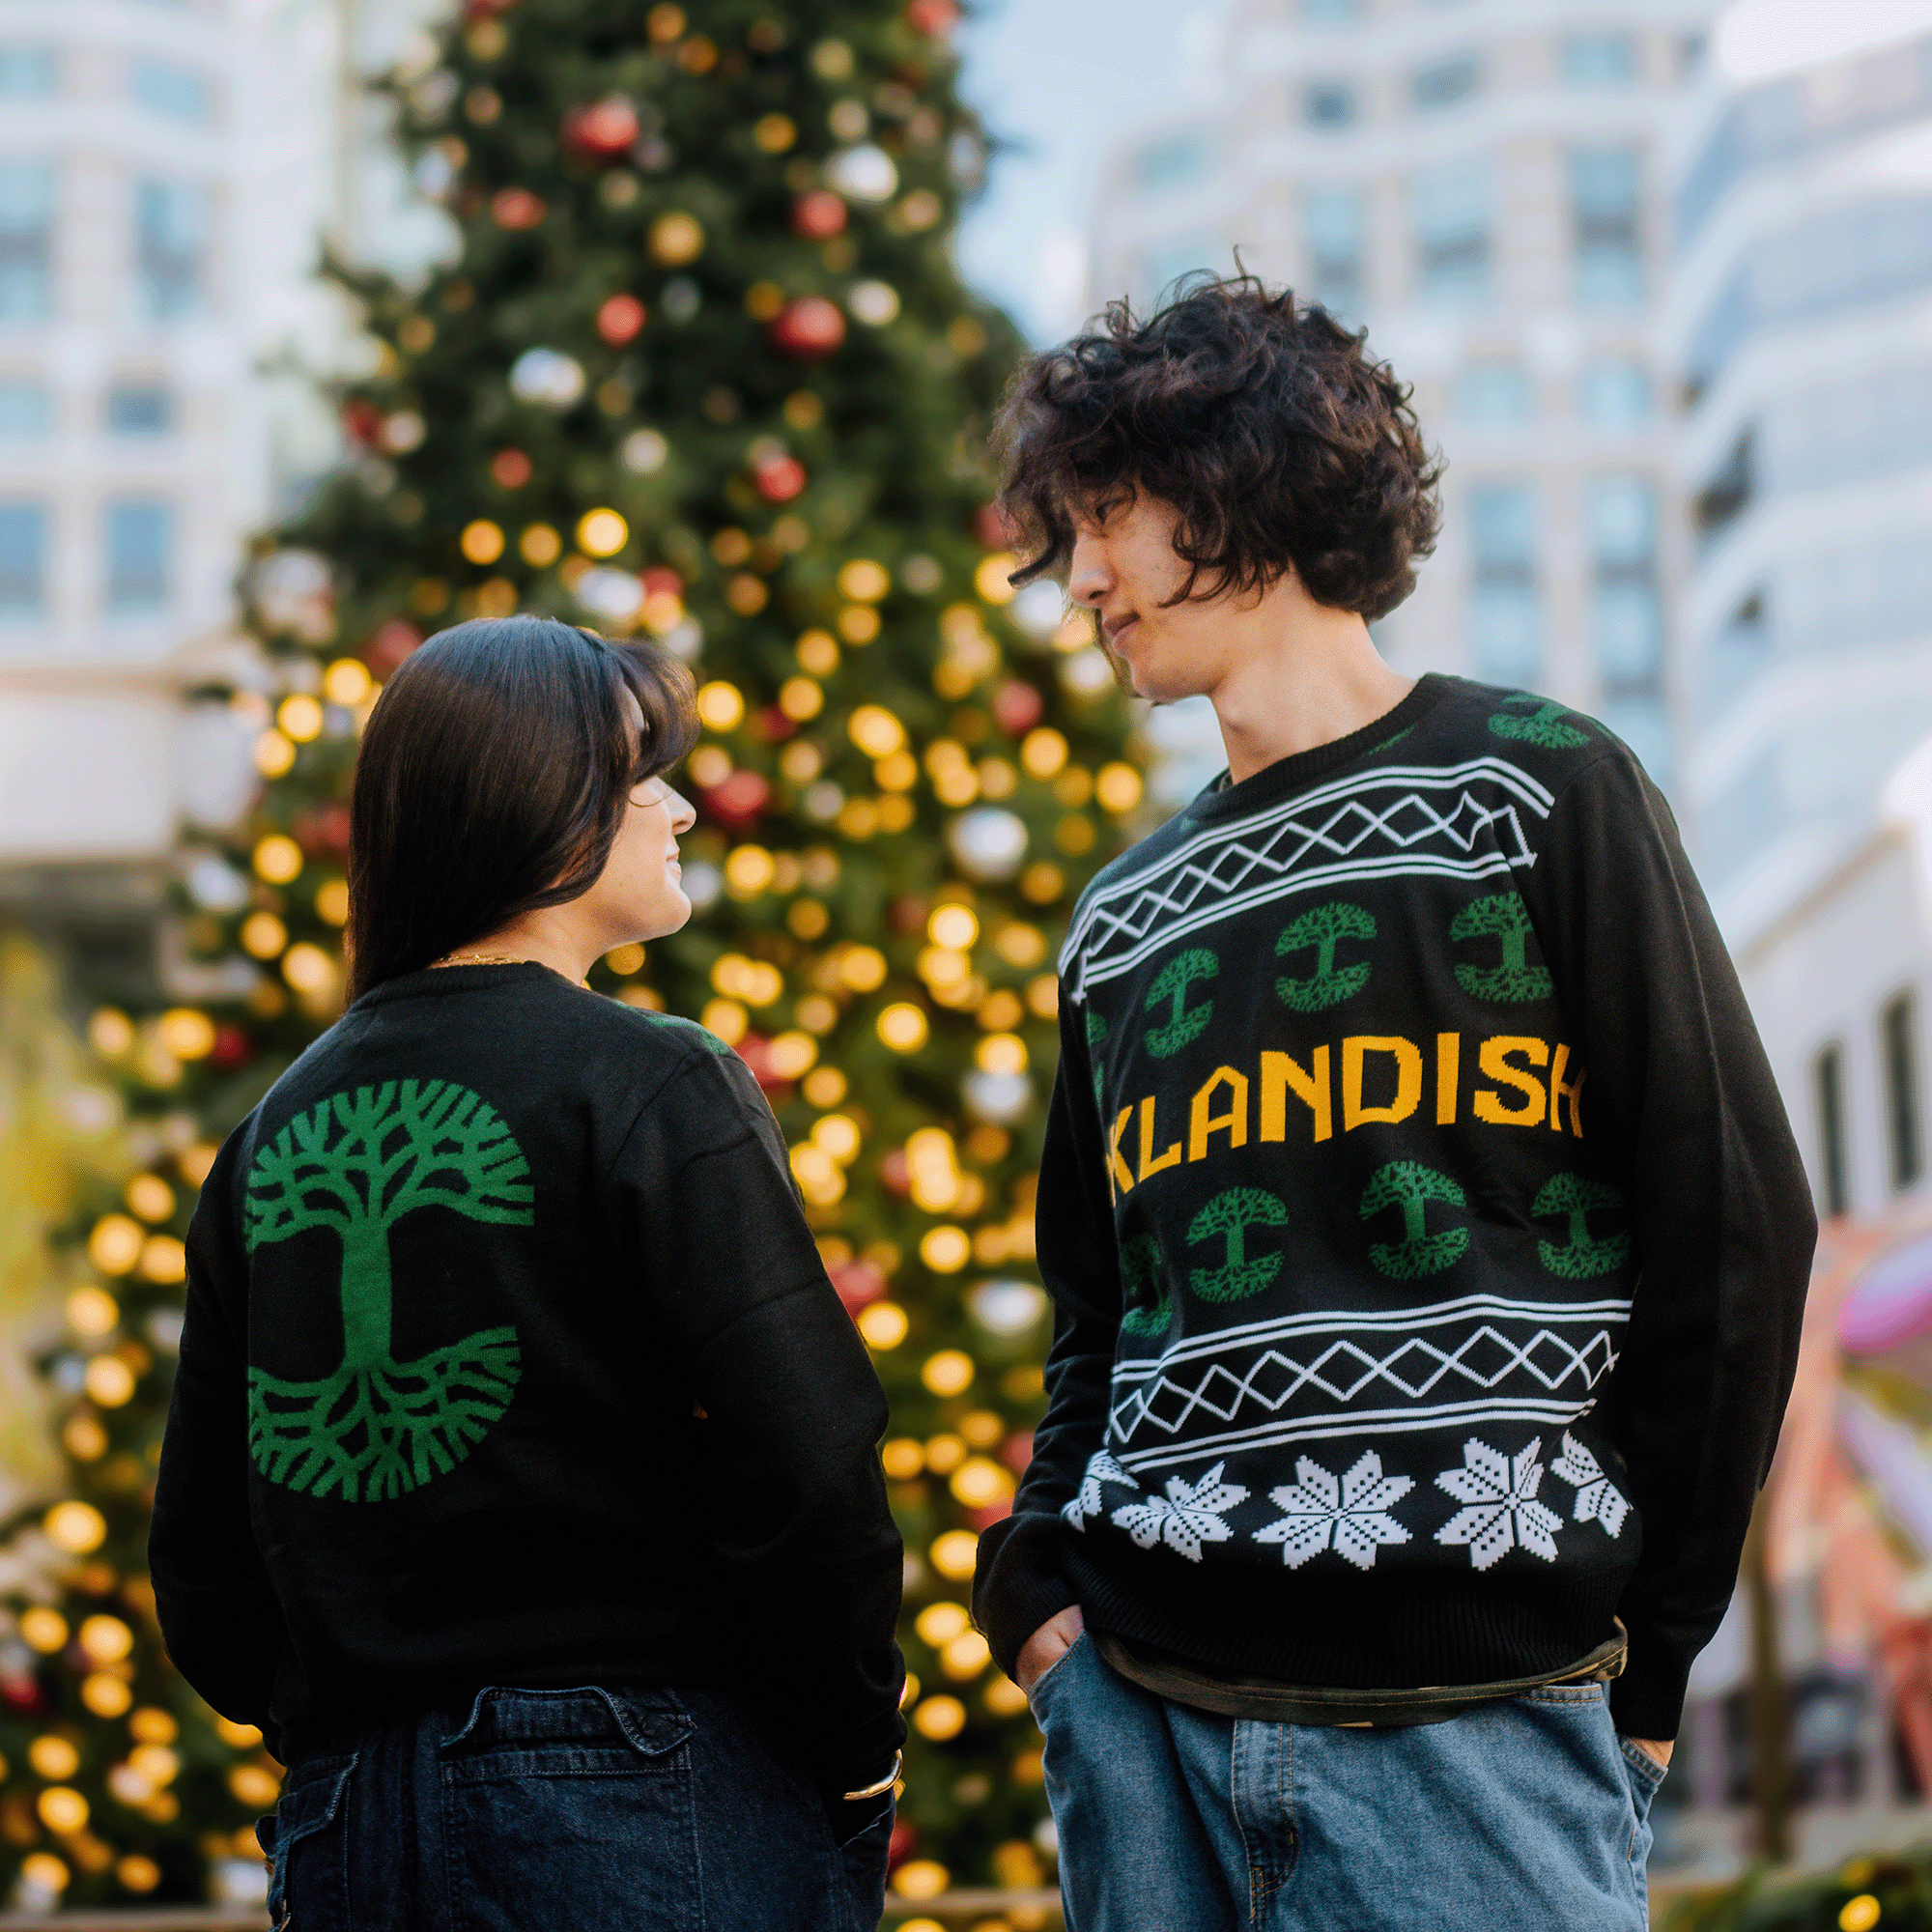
x=1585, y=1255
x=1097, y=1036
x=1169, y=987
x=1144, y=1279
x=1411, y=1186
x=1320, y=927
x=1545, y=728
x=356, y=1164
x=1505, y=917
x=1231, y=1214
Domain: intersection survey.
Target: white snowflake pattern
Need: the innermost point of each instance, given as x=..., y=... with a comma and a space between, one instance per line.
x=1351, y=1516
x=1100, y=1468
x=1502, y=1507
x=1597, y=1497
x=1189, y=1515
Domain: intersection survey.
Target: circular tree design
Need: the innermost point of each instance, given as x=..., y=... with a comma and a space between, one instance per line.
x=1320, y=926
x=1145, y=1282
x=1545, y=728
x=1230, y=1216
x=356, y=1164
x=1170, y=989
x=1585, y=1254
x=1504, y=916
x=1411, y=1186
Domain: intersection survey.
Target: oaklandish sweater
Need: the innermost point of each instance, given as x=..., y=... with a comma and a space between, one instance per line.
x=1426, y=1240
x=509, y=1360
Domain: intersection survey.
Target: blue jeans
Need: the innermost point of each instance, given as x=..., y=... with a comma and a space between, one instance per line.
x=627, y=1810
x=1526, y=1815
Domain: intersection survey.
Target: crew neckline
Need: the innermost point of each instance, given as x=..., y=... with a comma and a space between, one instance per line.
x=1289, y=775
x=445, y=980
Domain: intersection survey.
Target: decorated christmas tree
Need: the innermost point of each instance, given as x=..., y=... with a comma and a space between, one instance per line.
x=701, y=370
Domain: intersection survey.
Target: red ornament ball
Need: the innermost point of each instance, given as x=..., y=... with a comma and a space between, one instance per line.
x=1017, y=707
x=392, y=643
x=995, y=529
x=819, y=216
x=935, y=17
x=737, y=803
x=515, y=207
x=779, y=480
x=232, y=1048
x=858, y=1282
x=807, y=329
x=510, y=467
x=362, y=421
x=603, y=130
x=620, y=318
x=661, y=581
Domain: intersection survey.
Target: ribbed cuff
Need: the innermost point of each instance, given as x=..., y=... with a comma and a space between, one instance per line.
x=1018, y=1583
x=1647, y=1701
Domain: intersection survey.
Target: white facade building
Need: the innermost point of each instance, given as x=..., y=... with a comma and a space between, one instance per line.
x=1480, y=184
x=167, y=177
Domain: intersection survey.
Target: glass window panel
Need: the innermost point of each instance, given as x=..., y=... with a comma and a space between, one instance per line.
x=1621, y=513
x=1170, y=163
x=23, y=559
x=1626, y=624
x=1452, y=232
x=1506, y=635
x=139, y=541
x=1502, y=532
x=28, y=74
x=1494, y=395
x=171, y=235
x=181, y=92
x=1829, y=1078
x=139, y=409
x=1445, y=83
x=25, y=408
x=1166, y=263
x=1331, y=10
x=26, y=241
x=1597, y=60
x=1613, y=394
x=1606, y=195
x=1898, y=1030
x=1643, y=723
x=1336, y=221
x=1328, y=103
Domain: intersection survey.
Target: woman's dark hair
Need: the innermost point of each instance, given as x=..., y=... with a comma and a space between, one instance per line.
x=1261, y=420
x=492, y=780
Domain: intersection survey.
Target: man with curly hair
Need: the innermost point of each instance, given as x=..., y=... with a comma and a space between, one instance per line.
x=1426, y=1240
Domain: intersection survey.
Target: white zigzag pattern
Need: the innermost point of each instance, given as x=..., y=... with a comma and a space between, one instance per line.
x=1543, y=1360
x=1265, y=857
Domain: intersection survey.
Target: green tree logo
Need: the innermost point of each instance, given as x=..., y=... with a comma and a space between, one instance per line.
x=1231, y=1215
x=1320, y=927
x=1411, y=1186
x=1585, y=1255
x=1545, y=728
x=1171, y=988
x=358, y=1163
x=1145, y=1282
x=1505, y=918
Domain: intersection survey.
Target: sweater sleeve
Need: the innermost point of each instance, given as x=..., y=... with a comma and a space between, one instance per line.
x=219, y=1612
x=1019, y=1583
x=1721, y=1210
x=800, y=1527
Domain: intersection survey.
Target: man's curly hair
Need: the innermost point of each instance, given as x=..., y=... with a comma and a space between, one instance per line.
x=1260, y=420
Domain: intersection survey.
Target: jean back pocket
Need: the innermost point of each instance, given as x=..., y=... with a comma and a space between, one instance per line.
x=313, y=1815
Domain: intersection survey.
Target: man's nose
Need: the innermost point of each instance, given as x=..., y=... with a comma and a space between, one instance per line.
x=1089, y=577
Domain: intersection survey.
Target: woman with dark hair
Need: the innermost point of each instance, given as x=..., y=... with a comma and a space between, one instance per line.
x=514, y=1402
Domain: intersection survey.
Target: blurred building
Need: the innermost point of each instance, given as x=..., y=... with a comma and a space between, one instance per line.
x=1482, y=186
x=167, y=176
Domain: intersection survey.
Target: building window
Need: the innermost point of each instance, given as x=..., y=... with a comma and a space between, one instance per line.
x=140, y=408
x=1452, y=234
x=1336, y=223
x=1597, y=60
x=29, y=74
x=23, y=559
x=26, y=241
x=1328, y=104
x=1627, y=613
x=171, y=224
x=1897, y=1027
x=1605, y=190
x=25, y=408
x=1170, y=163
x=180, y=92
x=139, y=538
x=1505, y=618
x=1166, y=263
x=1494, y=395
x=1614, y=395
x=1828, y=1077
x=1331, y=11
x=1725, y=498
x=1445, y=83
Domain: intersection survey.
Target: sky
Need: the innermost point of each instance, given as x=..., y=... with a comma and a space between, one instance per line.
x=1064, y=81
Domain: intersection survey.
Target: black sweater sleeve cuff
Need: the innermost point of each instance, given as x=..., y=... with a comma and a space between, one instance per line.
x=1647, y=1701
x=1019, y=1584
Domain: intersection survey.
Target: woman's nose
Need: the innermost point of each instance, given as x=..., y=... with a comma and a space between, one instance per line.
x=683, y=813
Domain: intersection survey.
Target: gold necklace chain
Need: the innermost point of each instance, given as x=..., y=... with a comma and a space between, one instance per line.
x=478, y=960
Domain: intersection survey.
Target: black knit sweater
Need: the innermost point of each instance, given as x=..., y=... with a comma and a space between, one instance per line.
x=509, y=1360
x=1427, y=1240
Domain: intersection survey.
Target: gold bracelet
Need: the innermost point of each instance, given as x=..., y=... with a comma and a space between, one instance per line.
x=886, y=1783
